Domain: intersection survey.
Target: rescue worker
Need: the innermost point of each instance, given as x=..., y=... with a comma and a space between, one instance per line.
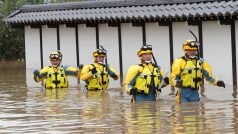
x=96, y=75
x=188, y=71
x=56, y=75
x=142, y=80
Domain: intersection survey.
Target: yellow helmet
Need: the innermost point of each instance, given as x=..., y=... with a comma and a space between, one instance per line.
x=99, y=52
x=190, y=45
x=56, y=55
x=144, y=50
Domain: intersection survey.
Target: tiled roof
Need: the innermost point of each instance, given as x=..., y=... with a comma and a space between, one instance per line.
x=122, y=10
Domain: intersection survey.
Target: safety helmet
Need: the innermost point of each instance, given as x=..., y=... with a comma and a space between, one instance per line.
x=144, y=50
x=190, y=45
x=56, y=56
x=99, y=52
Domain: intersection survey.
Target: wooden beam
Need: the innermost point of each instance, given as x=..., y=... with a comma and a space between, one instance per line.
x=233, y=51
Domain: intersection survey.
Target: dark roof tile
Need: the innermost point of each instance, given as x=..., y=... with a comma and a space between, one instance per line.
x=121, y=10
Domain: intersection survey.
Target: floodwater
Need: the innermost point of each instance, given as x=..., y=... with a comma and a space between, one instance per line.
x=29, y=109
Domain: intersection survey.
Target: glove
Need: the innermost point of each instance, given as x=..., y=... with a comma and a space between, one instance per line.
x=36, y=72
x=132, y=91
x=94, y=70
x=221, y=83
x=80, y=66
x=179, y=83
x=166, y=80
x=114, y=76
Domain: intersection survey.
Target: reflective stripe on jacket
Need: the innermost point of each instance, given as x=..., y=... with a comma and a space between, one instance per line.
x=140, y=77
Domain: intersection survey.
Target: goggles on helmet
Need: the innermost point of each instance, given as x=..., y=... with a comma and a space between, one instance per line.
x=101, y=51
x=55, y=56
x=146, y=47
x=193, y=44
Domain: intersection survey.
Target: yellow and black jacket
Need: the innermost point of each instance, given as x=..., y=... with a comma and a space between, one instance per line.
x=185, y=69
x=99, y=80
x=140, y=76
x=56, y=77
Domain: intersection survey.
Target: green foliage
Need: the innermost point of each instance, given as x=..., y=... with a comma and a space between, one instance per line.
x=12, y=43
x=11, y=40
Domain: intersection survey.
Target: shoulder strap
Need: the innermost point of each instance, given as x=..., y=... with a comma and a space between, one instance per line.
x=141, y=65
x=156, y=66
x=185, y=59
x=102, y=72
x=93, y=65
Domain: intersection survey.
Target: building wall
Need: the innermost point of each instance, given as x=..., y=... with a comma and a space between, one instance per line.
x=217, y=49
x=32, y=47
x=180, y=35
x=158, y=37
x=131, y=43
x=32, y=55
x=49, y=43
x=68, y=49
x=108, y=38
x=87, y=43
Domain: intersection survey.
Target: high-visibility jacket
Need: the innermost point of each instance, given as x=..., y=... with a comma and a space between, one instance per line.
x=56, y=77
x=99, y=80
x=191, y=73
x=141, y=77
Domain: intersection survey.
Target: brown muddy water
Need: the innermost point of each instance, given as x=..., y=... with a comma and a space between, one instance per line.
x=28, y=109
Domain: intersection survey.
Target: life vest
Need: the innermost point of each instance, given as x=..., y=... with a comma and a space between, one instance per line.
x=99, y=81
x=56, y=78
x=145, y=77
x=192, y=78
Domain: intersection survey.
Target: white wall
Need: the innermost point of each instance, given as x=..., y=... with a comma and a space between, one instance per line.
x=180, y=35
x=108, y=38
x=49, y=43
x=131, y=43
x=68, y=49
x=87, y=43
x=32, y=48
x=217, y=49
x=32, y=55
x=236, y=25
x=158, y=36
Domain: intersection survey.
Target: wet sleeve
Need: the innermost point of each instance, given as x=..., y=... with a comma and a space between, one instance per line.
x=42, y=74
x=70, y=71
x=112, y=72
x=132, y=74
x=176, y=70
x=207, y=72
x=86, y=72
x=162, y=77
x=79, y=72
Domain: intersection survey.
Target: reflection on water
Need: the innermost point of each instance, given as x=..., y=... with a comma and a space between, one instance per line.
x=26, y=108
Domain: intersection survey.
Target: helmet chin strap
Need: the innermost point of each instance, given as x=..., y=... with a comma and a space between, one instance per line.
x=190, y=57
x=100, y=62
x=193, y=57
x=55, y=66
x=148, y=61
